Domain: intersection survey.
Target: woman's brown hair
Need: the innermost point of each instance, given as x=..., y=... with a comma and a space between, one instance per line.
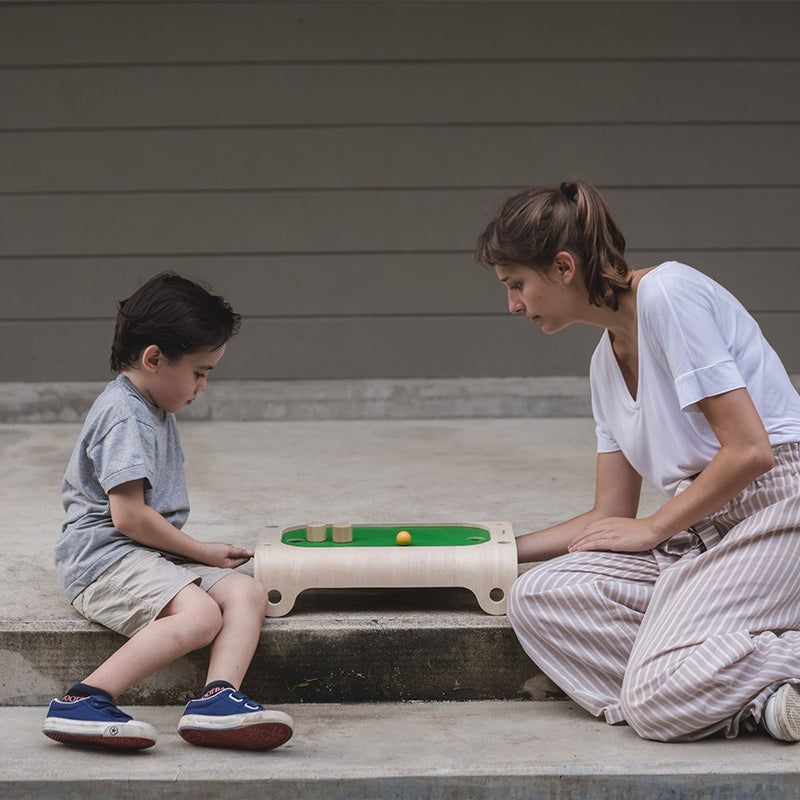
x=536, y=224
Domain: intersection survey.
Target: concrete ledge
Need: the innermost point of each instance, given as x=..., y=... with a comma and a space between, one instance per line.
x=363, y=648
x=442, y=751
x=412, y=398
x=418, y=398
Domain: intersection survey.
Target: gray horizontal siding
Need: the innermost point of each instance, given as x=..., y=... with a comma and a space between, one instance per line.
x=370, y=220
x=397, y=156
x=131, y=33
x=400, y=93
x=327, y=166
x=299, y=285
x=348, y=347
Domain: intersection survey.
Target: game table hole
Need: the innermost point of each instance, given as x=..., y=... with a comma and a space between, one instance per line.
x=274, y=596
x=497, y=594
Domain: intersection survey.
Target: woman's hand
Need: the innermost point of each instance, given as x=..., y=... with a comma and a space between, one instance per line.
x=616, y=496
x=620, y=535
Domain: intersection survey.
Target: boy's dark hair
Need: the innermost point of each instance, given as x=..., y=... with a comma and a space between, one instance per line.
x=176, y=314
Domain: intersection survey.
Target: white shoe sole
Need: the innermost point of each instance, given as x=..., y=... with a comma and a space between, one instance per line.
x=257, y=730
x=131, y=735
x=782, y=714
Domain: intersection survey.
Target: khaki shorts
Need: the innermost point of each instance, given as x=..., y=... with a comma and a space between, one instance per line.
x=132, y=592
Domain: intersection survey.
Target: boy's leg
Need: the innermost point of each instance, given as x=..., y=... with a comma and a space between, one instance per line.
x=577, y=617
x=124, y=598
x=191, y=620
x=86, y=716
x=223, y=716
x=243, y=603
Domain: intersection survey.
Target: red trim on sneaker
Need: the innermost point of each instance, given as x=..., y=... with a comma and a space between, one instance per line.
x=262, y=736
x=215, y=690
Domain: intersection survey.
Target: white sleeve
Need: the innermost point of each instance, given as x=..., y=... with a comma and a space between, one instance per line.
x=606, y=443
x=680, y=318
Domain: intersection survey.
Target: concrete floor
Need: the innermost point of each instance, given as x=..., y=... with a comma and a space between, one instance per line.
x=410, y=750
x=244, y=475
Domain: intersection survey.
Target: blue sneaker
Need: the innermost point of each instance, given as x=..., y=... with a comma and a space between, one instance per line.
x=231, y=719
x=96, y=721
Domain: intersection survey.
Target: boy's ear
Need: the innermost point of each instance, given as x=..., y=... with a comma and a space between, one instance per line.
x=151, y=358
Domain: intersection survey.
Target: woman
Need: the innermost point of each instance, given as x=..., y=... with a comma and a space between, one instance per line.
x=685, y=622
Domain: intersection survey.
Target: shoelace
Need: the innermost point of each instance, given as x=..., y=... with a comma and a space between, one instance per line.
x=101, y=704
x=243, y=698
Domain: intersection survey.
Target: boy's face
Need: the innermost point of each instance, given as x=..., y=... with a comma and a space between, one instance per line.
x=171, y=385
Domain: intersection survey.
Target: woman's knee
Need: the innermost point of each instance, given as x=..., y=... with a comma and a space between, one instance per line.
x=531, y=593
x=518, y=598
x=648, y=710
x=677, y=691
x=637, y=711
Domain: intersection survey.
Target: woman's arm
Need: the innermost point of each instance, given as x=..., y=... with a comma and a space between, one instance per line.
x=617, y=490
x=138, y=521
x=744, y=454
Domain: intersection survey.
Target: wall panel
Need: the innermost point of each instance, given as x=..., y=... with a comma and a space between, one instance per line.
x=463, y=93
x=131, y=33
x=230, y=159
x=369, y=220
x=277, y=348
x=328, y=165
x=301, y=285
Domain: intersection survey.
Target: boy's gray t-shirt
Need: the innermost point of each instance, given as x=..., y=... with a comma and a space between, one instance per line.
x=124, y=438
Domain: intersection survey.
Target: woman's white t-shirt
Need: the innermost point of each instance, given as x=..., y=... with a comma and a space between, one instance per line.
x=696, y=340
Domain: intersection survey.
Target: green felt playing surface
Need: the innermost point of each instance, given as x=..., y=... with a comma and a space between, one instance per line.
x=385, y=536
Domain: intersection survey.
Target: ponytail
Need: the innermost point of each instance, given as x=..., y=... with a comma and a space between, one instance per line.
x=535, y=225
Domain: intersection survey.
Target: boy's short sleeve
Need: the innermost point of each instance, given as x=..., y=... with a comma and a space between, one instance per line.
x=684, y=328
x=124, y=454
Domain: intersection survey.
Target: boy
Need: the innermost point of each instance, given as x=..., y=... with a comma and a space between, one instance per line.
x=123, y=558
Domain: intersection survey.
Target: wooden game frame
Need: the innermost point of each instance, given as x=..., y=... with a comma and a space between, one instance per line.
x=487, y=569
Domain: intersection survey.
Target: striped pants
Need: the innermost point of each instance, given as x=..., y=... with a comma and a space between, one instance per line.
x=684, y=640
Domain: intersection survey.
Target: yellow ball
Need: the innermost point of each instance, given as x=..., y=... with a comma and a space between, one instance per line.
x=403, y=538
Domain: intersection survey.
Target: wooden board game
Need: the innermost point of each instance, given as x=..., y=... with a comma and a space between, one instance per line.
x=480, y=557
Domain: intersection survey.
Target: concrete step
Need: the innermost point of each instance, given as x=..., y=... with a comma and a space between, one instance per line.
x=379, y=646
x=345, y=399
x=336, y=646
x=468, y=750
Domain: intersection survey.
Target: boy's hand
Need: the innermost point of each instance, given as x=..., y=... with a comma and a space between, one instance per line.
x=219, y=554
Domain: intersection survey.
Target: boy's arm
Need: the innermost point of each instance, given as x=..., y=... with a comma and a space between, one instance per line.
x=138, y=521
x=617, y=491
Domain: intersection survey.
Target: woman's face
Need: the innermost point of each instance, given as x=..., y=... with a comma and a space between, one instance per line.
x=546, y=298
